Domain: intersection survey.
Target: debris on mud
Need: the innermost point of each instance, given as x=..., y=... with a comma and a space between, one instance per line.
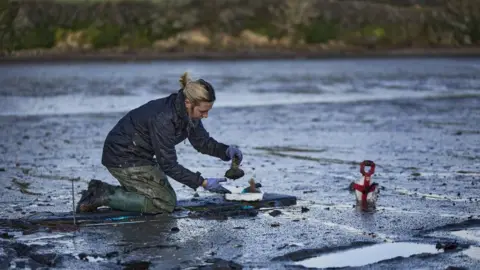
x=447, y=246
x=23, y=186
x=6, y=236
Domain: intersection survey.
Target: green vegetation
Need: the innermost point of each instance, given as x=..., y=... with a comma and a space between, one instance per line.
x=162, y=24
x=319, y=31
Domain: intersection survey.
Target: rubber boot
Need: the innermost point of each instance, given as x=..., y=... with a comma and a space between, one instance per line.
x=123, y=200
x=93, y=197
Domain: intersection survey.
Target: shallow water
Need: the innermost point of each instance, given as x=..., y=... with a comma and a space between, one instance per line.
x=368, y=255
x=100, y=88
x=304, y=127
x=470, y=234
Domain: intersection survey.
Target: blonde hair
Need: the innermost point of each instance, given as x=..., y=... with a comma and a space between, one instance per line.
x=195, y=91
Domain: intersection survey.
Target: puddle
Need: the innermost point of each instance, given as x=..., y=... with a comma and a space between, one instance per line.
x=368, y=255
x=473, y=252
x=472, y=235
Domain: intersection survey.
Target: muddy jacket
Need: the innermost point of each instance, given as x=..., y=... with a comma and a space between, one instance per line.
x=154, y=129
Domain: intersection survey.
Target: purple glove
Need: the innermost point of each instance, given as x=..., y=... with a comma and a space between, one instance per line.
x=213, y=185
x=232, y=151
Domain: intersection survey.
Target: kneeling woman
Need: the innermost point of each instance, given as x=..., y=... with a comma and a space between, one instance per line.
x=140, y=152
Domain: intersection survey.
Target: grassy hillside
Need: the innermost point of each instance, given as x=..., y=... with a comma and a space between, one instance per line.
x=233, y=25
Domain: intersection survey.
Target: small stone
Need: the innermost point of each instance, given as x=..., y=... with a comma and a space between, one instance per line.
x=276, y=224
x=305, y=209
x=175, y=229
x=111, y=254
x=83, y=256
x=275, y=213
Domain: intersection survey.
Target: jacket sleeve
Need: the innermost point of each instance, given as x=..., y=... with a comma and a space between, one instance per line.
x=203, y=143
x=162, y=134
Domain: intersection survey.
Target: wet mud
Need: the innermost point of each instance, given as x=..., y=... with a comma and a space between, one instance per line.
x=426, y=148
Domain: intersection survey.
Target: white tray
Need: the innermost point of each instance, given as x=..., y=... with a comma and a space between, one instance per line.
x=236, y=194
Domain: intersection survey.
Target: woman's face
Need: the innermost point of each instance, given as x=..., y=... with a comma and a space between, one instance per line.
x=198, y=111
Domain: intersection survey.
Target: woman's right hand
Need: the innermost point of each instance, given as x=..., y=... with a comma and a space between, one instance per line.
x=213, y=185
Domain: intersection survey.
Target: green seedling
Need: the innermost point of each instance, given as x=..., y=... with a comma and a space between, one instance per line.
x=234, y=172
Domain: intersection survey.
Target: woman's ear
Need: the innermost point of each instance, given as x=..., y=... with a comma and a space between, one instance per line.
x=188, y=104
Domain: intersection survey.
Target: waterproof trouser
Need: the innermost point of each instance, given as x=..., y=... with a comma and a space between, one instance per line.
x=143, y=189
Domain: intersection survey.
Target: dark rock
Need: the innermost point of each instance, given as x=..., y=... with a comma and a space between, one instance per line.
x=175, y=229
x=83, y=256
x=136, y=265
x=305, y=209
x=275, y=213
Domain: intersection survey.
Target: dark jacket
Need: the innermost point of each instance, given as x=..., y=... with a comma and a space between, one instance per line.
x=154, y=129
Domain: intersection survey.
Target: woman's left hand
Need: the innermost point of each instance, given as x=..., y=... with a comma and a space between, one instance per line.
x=233, y=151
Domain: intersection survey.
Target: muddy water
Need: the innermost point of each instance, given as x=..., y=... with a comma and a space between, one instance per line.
x=303, y=126
x=368, y=255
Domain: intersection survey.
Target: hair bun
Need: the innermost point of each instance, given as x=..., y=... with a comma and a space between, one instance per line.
x=184, y=79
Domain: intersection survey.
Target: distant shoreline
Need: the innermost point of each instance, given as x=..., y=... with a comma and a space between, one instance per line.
x=139, y=56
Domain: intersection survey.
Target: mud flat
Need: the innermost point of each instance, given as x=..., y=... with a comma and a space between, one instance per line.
x=304, y=126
